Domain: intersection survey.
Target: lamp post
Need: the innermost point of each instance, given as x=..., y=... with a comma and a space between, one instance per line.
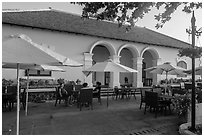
x=194, y=33
x=193, y=75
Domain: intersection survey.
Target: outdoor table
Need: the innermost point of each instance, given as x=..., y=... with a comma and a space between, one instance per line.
x=6, y=94
x=42, y=90
x=143, y=88
x=166, y=97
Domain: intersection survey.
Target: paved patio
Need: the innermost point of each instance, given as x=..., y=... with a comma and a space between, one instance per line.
x=122, y=117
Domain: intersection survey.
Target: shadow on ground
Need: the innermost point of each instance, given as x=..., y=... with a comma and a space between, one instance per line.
x=122, y=117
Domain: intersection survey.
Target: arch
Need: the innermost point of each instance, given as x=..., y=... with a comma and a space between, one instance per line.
x=182, y=64
x=132, y=48
x=109, y=46
x=152, y=50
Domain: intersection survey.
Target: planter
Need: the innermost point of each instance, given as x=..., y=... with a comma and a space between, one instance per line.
x=183, y=129
x=198, y=114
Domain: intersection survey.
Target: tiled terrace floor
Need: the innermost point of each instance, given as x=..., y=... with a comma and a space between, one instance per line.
x=122, y=117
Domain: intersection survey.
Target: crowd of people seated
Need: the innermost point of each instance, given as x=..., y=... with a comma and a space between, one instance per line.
x=70, y=91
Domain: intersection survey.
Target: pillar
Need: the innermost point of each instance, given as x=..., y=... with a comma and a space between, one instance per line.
x=156, y=77
x=87, y=64
x=137, y=77
x=115, y=76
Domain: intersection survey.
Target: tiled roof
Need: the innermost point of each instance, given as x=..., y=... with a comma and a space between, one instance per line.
x=63, y=21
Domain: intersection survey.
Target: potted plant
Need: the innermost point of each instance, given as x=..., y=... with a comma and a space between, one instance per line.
x=182, y=104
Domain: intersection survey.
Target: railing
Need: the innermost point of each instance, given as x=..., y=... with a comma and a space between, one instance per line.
x=147, y=81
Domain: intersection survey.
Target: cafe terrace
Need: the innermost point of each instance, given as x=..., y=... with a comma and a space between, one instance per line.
x=89, y=41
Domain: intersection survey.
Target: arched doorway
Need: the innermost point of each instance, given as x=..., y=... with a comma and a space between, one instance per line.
x=126, y=60
x=128, y=57
x=150, y=58
x=100, y=54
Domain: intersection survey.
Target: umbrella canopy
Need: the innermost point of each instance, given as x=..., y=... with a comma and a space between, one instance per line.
x=198, y=71
x=108, y=66
x=21, y=49
x=32, y=67
x=167, y=68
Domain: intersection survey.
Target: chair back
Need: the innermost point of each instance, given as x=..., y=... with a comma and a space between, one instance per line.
x=178, y=91
x=3, y=89
x=151, y=98
x=57, y=92
x=142, y=92
x=188, y=86
x=199, y=85
x=69, y=88
x=78, y=87
x=116, y=90
x=157, y=90
x=182, y=84
x=12, y=89
x=86, y=95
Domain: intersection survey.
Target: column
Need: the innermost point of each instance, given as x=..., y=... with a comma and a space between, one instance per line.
x=137, y=77
x=156, y=77
x=87, y=64
x=115, y=76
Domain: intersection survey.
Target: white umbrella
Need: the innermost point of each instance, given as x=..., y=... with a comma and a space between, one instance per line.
x=31, y=67
x=108, y=66
x=167, y=69
x=20, y=50
x=198, y=71
x=41, y=67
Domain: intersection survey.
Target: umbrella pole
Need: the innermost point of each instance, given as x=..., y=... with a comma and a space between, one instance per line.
x=166, y=82
x=107, y=96
x=26, y=109
x=18, y=100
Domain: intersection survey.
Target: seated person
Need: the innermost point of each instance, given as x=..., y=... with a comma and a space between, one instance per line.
x=97, y=91
x=62, y=91
x=98, y=86
x=85, y=85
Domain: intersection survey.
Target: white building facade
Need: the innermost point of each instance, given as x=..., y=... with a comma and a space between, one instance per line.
x=88, y=43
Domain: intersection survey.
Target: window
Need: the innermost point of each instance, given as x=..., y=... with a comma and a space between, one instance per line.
x=107, y=78
x=182, y=64
x=38, y=73
x=143, y=72
x=94, y=73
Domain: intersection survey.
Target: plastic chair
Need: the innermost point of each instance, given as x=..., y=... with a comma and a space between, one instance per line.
x=142, y=93
x=116, y=93
x=97, y=94
x=152, y=101
x=85, y=97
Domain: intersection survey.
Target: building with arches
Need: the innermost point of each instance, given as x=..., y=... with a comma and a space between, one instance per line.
x=89, y=41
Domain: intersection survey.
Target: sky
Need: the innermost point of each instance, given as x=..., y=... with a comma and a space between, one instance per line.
x=175, y=28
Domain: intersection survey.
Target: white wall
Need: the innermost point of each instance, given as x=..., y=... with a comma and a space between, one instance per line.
x=74, y=45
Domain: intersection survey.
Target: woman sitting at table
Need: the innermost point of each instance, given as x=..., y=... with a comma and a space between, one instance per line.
x=97, y=93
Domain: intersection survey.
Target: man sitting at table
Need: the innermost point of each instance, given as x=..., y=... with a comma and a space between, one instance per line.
x=97, y=91
x=63, y=93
